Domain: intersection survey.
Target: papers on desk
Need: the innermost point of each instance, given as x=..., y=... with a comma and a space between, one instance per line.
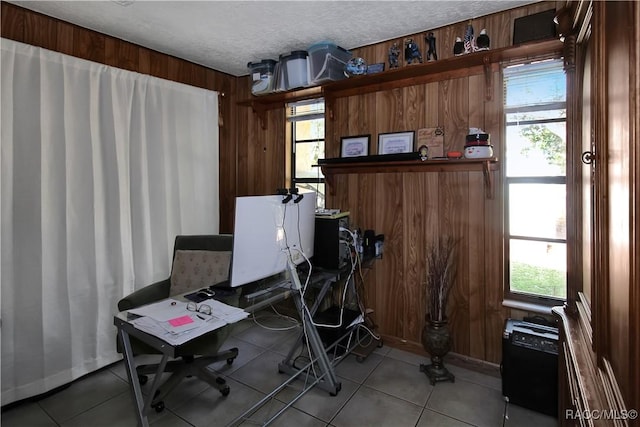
x=171, y=321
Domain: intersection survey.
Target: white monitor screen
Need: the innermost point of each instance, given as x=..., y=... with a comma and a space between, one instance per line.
x=268, y=232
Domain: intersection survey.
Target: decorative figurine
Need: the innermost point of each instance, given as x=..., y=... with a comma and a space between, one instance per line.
x=482, y=42
x=412, y=52
x=432, y=55
x=394, y=52
x=355, y=67
x=458, y=47
x=469, y=41
x=424, y=152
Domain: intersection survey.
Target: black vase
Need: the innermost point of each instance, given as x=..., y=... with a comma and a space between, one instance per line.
x=436, y=339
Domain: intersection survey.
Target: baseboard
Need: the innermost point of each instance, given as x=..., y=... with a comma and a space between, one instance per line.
x=467, y=362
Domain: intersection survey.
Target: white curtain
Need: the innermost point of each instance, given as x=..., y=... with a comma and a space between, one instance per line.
x=101, y=169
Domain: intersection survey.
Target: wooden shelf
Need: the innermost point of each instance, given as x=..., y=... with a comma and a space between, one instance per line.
x=486, y=166
x=450, y=68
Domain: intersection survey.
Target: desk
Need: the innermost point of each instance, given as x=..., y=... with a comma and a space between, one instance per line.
x=126, y=330
x=324, y=374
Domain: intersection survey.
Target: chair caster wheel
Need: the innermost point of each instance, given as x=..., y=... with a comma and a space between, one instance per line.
x=159, y=407
x=230, y=360
x=225, y=391
x=142, y=379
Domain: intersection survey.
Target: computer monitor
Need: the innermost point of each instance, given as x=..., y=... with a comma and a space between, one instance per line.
x=268, y=233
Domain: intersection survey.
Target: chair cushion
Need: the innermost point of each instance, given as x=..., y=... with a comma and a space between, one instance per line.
x=194, y=269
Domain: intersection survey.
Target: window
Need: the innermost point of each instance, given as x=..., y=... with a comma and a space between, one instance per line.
x=535, y=193
x=306, y=130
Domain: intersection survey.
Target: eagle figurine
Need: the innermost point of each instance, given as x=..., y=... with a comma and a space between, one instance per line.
x=482, y=41
x=458, y=47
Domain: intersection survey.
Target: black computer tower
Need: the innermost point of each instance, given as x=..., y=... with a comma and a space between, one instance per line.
x=330, y=248
x=530, y=366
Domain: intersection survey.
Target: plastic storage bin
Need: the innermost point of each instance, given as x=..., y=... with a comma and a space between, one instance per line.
x=296, y=69
x=327, y=62
x=262, y=76
x=279, y=83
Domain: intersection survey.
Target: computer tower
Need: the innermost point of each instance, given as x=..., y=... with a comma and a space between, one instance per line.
x=329, y=249
x=530, y=366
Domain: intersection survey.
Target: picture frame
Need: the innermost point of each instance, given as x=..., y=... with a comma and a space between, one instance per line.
x=355, y=146
x=396, y=142
x=433, y=138
x=375, y=68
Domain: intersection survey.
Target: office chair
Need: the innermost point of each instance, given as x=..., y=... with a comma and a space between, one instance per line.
x=198, y=262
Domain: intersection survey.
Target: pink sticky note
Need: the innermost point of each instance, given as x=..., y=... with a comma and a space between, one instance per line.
x=179, y=321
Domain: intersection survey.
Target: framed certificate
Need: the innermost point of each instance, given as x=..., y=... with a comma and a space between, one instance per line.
x=396, y=142
x=354, y=146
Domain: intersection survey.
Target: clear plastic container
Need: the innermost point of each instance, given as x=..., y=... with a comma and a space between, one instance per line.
x=262, y=76
x=327, y=62
x=296, y=69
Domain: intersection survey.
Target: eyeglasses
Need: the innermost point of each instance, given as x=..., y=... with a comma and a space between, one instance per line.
x=202, y=308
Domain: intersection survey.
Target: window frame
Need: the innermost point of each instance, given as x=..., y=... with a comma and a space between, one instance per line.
x=508, y=293
x=292, y=120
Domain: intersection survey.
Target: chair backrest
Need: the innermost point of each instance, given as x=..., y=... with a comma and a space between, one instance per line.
x=200, y=261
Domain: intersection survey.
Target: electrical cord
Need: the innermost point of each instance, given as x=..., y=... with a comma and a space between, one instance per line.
x=505, y=416
x=295, y=323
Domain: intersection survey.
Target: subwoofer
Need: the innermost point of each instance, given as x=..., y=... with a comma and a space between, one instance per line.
x=530, y=366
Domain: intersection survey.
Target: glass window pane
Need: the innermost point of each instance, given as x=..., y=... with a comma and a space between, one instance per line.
x=536, y=150
x=309, y=129
x=538, y=210
x=307, y=155
x=318, y=188
x=538, y=268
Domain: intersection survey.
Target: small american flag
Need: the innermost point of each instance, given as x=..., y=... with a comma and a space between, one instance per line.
x=469, y=40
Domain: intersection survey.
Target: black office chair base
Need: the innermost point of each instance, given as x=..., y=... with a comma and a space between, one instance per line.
x=186, y=367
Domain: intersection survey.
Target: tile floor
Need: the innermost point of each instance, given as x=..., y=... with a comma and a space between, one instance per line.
x=386, y=389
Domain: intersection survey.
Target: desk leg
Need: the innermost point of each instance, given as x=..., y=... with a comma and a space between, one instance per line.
x=142, y=407
x=299, y=343
x=329, y=380
x=134, y=383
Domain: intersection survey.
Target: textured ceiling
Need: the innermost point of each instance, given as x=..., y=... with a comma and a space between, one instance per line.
x=225, y=35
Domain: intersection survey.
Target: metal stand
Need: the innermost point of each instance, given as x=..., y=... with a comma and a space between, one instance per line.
x=329, y=381
x=318, y=371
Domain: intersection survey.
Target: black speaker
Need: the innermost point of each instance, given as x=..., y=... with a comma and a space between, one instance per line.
x=538, y=26
x=530, y=366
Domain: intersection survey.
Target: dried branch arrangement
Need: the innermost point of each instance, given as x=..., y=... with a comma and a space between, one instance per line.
x=441, y=274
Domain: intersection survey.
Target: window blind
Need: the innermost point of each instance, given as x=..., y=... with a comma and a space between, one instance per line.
x=536, y=83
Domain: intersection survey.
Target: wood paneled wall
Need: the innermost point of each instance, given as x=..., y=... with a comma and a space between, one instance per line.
x=261, y=152
x=40, y=30
x=412, y=209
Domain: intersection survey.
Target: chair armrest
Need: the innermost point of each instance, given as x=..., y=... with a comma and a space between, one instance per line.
x=148, y=294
